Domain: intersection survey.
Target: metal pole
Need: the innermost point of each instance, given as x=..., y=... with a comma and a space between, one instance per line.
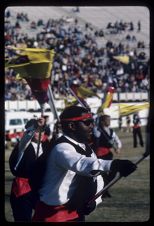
x=73, y=93
x=25, y=141
x=53, y=104
x=38, y=143
x=40, y=132
x=117, y=177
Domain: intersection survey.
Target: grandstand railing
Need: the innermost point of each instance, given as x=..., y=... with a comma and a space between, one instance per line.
x=28, y=105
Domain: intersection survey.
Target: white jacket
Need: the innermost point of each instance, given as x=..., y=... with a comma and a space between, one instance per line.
x=63, y=163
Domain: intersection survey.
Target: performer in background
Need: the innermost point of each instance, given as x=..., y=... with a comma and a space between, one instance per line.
x=22, y=199
x=137, y=133
x=105, y=142
x=128, y=122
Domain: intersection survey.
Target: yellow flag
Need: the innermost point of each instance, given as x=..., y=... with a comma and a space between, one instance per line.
x=124, y=59
x=71, y=102
x=126, y=109
x=31, y=62
x=107, y=100
x=84, y=92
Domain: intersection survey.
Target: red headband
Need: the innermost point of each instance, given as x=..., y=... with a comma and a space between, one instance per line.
x=79, y=118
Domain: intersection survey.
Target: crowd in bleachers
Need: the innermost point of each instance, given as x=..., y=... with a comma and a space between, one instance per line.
x=78, y=56
x=119, y=27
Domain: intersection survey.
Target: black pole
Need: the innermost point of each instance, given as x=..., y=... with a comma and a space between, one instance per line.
x=117, y=177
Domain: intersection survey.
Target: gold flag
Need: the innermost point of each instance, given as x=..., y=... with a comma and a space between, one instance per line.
x=31, y=62
x=124, y=59
x=107, y=100
x=126, y=109
x=84, y=92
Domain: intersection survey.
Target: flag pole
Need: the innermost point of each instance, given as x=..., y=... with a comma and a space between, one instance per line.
x=116, y=178
x=72, y=92
x=52, y=102
x=40, y=131
x=68, y=89
x=26, y=139
x=24, y=142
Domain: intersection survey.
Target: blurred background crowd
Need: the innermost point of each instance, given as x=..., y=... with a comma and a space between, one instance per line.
x=80, y=55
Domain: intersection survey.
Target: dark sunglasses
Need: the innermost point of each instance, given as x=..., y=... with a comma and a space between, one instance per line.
x=88, y=122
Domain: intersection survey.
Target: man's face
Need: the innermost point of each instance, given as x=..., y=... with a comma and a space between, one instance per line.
x=84, y=130
x=106, y=121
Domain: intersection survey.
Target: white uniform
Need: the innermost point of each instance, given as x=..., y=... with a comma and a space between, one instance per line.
x=64, y=162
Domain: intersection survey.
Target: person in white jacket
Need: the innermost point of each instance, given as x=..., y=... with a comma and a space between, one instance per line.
x=105, y=143
x=73, y=170
x=106, y=139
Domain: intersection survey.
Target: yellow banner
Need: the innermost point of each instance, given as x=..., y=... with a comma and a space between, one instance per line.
x=126, y=109
x=31, y=62
x=84, y=92
x=124, y=59
x=70, y=102
x=107, y=102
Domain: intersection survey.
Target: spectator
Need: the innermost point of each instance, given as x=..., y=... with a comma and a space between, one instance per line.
x=139, y=26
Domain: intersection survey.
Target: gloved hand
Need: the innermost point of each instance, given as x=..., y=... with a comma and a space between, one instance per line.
x=125, y=167
x=31, y=122
x=88, y=209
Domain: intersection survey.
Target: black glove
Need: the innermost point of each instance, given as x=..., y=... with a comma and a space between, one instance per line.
x=31, y=122
x=88, y=209
x=124, y=167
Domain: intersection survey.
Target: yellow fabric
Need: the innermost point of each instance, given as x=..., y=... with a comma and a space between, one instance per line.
x=38, y=63
x=126, y=109
x=98, y=83
x=18, y=77
x=70, y=102
x=124, y=59
x=107, y=102
x=84, y=92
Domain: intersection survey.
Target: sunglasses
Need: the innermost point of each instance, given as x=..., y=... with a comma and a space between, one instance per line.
x=88, y=122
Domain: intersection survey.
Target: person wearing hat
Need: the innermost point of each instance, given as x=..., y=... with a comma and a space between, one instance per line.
x=105, y=142
x=21, y=163
x=73, y=170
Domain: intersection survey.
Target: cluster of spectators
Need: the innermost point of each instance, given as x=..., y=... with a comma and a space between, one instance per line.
x=119, y=27
x=79, y=58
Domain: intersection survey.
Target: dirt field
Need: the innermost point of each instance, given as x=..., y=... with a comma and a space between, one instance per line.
x=130, y=201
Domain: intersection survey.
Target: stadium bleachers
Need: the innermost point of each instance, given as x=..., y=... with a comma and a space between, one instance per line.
x=98, y=17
